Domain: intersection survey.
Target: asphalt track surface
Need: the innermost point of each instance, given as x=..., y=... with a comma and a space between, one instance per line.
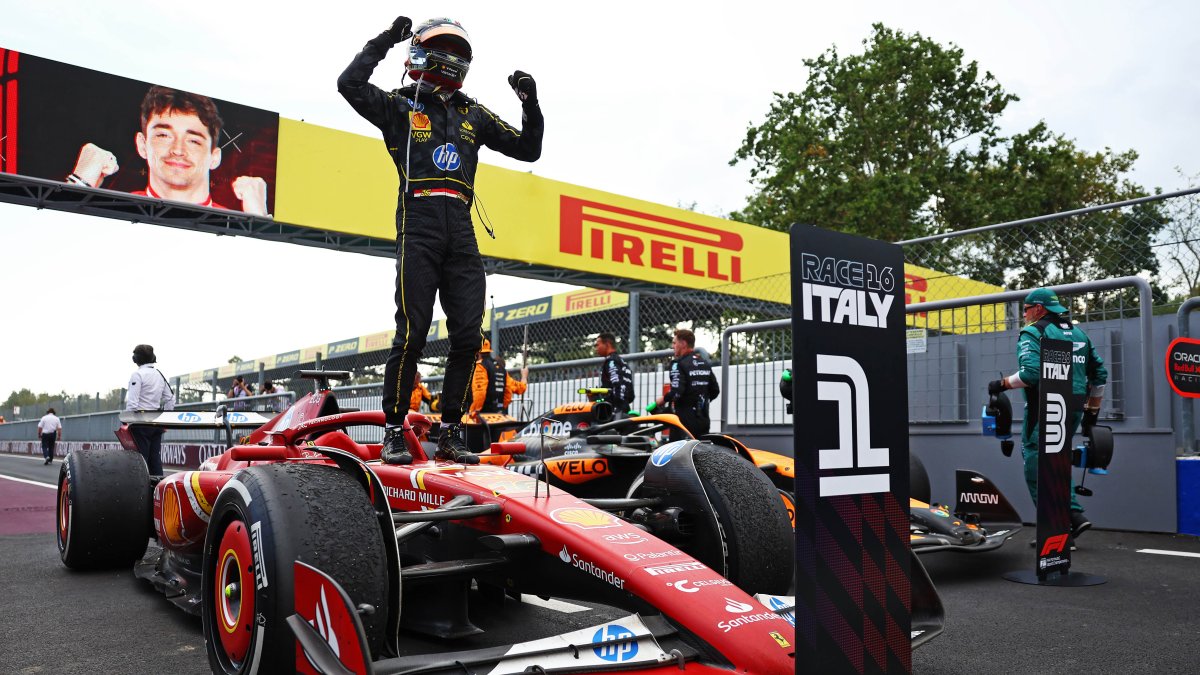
x=1145, y=619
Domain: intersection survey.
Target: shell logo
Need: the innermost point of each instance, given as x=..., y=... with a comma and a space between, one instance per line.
x=171, y=517
x=585, y=519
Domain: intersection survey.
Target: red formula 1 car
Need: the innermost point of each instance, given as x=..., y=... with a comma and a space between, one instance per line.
x=295, y=545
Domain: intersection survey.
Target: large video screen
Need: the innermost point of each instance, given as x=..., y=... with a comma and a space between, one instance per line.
x=66, y=123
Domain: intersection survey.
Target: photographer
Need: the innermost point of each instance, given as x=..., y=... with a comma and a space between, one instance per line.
x=239, y=390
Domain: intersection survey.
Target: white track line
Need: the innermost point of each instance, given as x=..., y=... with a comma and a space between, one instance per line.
x=31, y=482
x=1156, y=551
x=556, y=605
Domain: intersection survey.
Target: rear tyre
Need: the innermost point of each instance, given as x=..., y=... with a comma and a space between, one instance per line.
x=103, y=511
x=757, y=551
x=266, y=518
x=918, y=479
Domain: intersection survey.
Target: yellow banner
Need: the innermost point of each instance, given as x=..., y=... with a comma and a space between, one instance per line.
x=344, y=182
x=587, y=300
x=922, y=284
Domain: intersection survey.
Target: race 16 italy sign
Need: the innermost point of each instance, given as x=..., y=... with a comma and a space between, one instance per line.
x=1183, y=367
x=853, y=590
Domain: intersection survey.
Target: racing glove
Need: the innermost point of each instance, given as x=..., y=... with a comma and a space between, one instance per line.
x=995, y=387
x=526, y=89
x=1090, y=418
x=399, y=31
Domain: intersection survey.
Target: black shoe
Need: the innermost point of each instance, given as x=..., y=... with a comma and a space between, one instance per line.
x=450, y=445
x=1079, y=524
x=395, y=449
x=45, y=462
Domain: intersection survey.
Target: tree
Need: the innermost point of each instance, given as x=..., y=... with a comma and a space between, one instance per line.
x=902, y=141
x=872, y=138
x=1179, y=241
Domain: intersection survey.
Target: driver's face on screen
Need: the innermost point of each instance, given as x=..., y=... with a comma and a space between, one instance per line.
x=178, y=150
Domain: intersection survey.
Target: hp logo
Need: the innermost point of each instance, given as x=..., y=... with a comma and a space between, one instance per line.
x=189, y=417
x=236, y=418
x=446, y=158
x=619, y=643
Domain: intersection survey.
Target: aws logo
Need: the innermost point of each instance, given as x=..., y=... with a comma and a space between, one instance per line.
x=623, y=236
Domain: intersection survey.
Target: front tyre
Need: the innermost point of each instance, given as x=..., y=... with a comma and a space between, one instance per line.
x=757, y=550
x=103, y=513
x=266, y=518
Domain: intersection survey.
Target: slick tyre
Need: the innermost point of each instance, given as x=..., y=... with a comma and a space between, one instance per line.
x=266, y=518
x=757, y=538
x=103, y=512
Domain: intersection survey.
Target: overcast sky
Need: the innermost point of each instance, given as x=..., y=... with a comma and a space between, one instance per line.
x=646, y=99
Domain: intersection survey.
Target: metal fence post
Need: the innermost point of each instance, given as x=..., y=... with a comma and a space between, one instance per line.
x=1186, y=413
x=635, y=320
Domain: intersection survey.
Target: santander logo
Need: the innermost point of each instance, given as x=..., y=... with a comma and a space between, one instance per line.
x=323, y=625
x=735, y=607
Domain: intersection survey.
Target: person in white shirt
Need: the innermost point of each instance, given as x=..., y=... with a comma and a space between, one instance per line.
x=50, y=431
x=149, y=390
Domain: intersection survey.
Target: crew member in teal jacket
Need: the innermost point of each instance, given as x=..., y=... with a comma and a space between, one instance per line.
x=1046, y=316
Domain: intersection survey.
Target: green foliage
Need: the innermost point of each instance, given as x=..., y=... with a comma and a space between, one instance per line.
x=902, y=141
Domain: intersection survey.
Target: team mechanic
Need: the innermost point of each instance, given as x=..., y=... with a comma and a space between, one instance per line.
x=1045, y=316
x=693, y=386
x=433, y=132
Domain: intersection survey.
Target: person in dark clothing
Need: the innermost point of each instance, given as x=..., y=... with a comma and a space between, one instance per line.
x=433, y=133
x=615, y=374
x=693, y=386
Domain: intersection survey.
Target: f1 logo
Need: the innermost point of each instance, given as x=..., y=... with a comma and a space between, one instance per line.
x=854, y=449
x=1055, y=544
x=1056, y=422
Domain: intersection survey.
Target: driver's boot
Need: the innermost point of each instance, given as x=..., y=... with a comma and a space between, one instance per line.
x=452, y=446
x=395, y=449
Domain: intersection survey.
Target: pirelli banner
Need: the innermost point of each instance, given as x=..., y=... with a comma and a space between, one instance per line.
x=851, y=447
x=151, y=140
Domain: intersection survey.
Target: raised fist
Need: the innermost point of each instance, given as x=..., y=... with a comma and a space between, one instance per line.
x=522, y=83
x=400, y=30
x=94, y=164
x=252, y=190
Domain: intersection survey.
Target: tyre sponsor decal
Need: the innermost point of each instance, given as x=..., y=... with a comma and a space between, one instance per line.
x=260, y=567
x=658, y=570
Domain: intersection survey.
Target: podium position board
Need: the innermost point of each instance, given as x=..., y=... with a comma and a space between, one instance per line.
x=1057, y=415
x=851, y=434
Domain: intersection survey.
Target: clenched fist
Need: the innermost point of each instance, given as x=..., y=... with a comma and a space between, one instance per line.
x=522, y=83
x=94, y=164
x=252, y=190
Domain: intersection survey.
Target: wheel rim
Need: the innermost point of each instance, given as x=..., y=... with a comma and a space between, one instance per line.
x=64, y=513
x=234, y=592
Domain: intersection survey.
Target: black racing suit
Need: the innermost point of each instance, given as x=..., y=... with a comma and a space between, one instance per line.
x=616, y=376
x=434, y=139
x=693, y=387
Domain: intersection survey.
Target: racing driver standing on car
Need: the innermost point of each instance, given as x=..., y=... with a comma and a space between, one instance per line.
x=433, y=133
